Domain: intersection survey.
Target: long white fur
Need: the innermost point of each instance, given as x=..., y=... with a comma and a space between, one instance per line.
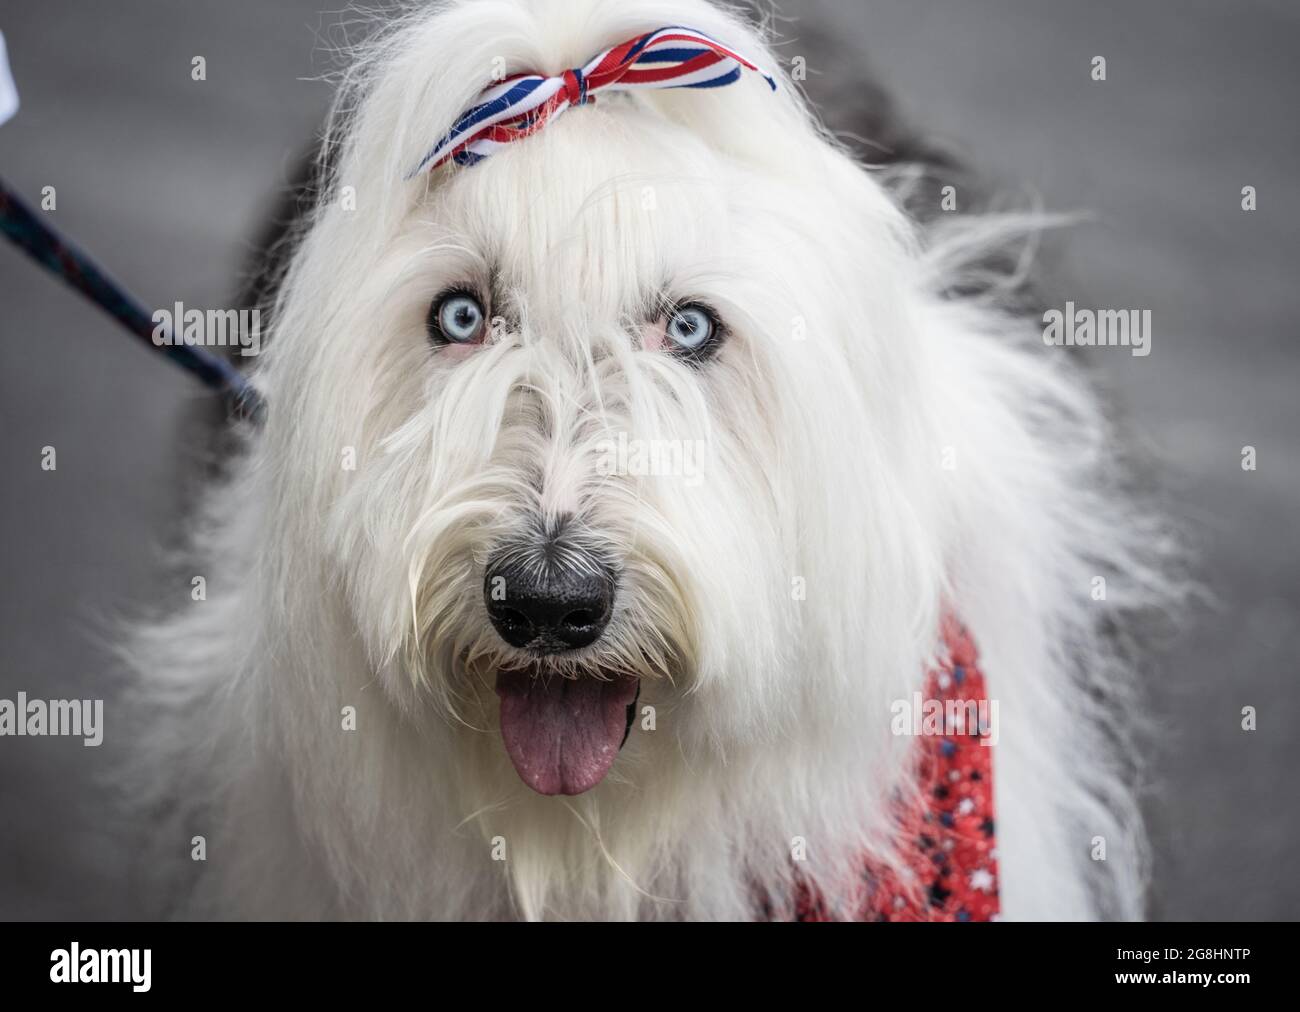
x=846, y=385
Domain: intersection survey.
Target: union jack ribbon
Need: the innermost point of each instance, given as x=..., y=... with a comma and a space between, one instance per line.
x=671, y=57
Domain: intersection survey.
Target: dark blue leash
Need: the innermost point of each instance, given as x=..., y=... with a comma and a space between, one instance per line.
x=30, y=232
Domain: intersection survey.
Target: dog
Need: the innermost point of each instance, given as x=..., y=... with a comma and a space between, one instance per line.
x=624, y=472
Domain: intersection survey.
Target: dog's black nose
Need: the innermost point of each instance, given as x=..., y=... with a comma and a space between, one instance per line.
x=549, y=598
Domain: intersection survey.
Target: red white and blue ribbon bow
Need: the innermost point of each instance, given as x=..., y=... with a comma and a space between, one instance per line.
x=672, y=57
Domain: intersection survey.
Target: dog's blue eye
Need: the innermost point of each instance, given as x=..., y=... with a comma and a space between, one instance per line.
x=691, y=327
x=458, y=318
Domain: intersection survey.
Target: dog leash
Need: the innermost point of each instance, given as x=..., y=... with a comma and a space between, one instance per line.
x=75, y=267
x=31, y=233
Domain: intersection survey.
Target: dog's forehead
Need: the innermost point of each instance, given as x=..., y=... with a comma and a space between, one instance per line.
x=606, y=205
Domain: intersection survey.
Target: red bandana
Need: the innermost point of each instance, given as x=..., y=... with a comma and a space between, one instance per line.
x=948, y=839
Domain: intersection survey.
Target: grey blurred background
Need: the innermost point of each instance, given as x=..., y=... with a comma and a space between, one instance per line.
x=169, y=180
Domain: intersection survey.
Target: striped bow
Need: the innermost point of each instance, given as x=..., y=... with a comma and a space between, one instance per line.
x=672, y=57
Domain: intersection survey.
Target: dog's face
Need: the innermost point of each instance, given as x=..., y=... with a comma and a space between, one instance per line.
x=604, y=397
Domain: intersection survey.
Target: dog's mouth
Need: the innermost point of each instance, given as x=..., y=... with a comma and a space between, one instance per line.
x=563, y=734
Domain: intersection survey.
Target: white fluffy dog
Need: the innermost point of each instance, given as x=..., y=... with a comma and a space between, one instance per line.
x=441, y=593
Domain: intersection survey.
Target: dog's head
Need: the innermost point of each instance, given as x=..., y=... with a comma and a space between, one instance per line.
x=608, y=432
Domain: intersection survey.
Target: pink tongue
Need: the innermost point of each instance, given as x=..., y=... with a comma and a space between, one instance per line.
x=563, y=734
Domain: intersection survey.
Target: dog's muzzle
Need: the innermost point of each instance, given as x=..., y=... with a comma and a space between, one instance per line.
x=549, y=597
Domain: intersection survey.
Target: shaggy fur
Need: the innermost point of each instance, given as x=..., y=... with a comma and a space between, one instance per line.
x=890, y=447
